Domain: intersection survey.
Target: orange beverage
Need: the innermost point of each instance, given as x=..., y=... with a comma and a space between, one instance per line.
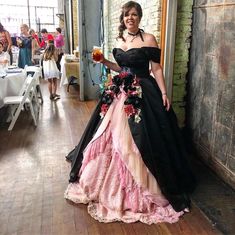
x=97, y=54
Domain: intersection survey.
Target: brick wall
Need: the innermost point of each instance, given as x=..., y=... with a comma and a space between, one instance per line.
x=182, y=44
x=75, y=23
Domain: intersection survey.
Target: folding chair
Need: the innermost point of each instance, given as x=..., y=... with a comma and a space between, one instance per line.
x=37, y=72
x=17, y=103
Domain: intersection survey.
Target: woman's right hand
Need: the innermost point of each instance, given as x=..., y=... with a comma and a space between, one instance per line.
x=97, y=55
x=102, y=59
x=19, y=41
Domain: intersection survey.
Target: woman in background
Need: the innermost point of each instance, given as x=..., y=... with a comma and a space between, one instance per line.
x=4, y=56
x=5, y=38
x=36, y=52
x=59, y=44
x=27, y=45
x=34, y=36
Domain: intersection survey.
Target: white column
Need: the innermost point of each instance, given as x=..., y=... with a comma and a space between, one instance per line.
x=171, y=18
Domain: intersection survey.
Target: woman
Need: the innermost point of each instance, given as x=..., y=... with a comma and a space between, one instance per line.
x=59, y=44
x=4, y=56
x=36, y=53
x=34, y=36
x=130, y=164
x=27, y=47
x=5, y=38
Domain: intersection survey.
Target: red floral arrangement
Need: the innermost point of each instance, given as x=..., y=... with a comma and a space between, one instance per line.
x=129, y=83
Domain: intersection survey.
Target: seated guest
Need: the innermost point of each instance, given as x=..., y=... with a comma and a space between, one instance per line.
x=4, y=55
x=46, y=37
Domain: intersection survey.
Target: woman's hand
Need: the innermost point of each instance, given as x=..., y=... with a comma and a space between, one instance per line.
x=166, y=102
x=97, y=57
x=102, y=59
x=19, y=42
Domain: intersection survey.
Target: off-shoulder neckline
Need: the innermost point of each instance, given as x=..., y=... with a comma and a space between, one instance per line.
x=135, y=48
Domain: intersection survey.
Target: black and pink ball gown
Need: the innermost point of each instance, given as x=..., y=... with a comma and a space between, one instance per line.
x=130, y=164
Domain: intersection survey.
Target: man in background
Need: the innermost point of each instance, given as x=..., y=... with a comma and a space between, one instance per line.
x=45, y=38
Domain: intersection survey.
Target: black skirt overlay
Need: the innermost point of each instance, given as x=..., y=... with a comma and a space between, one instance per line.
x=157, y=135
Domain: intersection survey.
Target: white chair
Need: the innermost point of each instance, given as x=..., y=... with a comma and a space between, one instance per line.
x=26, y=96
x=37, y=72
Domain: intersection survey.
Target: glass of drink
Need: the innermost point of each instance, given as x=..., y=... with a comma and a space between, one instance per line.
x=97, y=54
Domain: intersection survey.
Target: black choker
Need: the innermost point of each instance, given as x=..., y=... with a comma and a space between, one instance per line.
x=134, y=34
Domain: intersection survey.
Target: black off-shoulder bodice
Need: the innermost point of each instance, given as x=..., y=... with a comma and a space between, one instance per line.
x=137, y=59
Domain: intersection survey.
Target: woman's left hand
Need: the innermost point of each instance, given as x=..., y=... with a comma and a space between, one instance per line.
x=166, y=102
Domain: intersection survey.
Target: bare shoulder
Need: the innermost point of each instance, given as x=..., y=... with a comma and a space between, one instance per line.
x=119, y=43
x=150, y=40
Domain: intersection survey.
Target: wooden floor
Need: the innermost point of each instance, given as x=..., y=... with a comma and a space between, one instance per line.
x=34, y=176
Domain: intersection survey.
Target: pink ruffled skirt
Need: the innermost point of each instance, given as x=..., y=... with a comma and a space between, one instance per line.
x=114, y=181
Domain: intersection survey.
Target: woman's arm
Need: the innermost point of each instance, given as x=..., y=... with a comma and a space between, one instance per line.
x=158, y=75
x=9, y=41
x=113, y=66
x=156, y=69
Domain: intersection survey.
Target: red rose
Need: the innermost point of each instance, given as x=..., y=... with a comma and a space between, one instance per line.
x=104, y=108
x=130, y=110
x=123, y=74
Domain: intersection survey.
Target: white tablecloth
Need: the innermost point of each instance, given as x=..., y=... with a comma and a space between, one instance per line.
x=11, y=85
x=72, y=70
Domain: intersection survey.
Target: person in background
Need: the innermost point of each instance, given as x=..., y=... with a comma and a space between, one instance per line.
x=5, y=38
x=34, y=35
x=4, y=56
x=27, y=46
x=36, y=53
x=51, y=72
x=46, y=37
x=59, y=44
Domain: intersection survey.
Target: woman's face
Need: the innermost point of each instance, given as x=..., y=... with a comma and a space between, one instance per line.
x=23, y=29
x=131, y=19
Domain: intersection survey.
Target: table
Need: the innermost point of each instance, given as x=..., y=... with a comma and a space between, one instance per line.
x=11, y=85
x=68, y=69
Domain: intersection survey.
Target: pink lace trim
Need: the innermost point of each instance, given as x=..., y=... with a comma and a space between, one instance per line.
x=110, y=191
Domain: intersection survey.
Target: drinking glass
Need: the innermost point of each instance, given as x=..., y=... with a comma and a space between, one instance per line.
x=97, y=54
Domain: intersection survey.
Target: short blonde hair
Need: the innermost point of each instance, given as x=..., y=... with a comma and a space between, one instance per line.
x=25, y=26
